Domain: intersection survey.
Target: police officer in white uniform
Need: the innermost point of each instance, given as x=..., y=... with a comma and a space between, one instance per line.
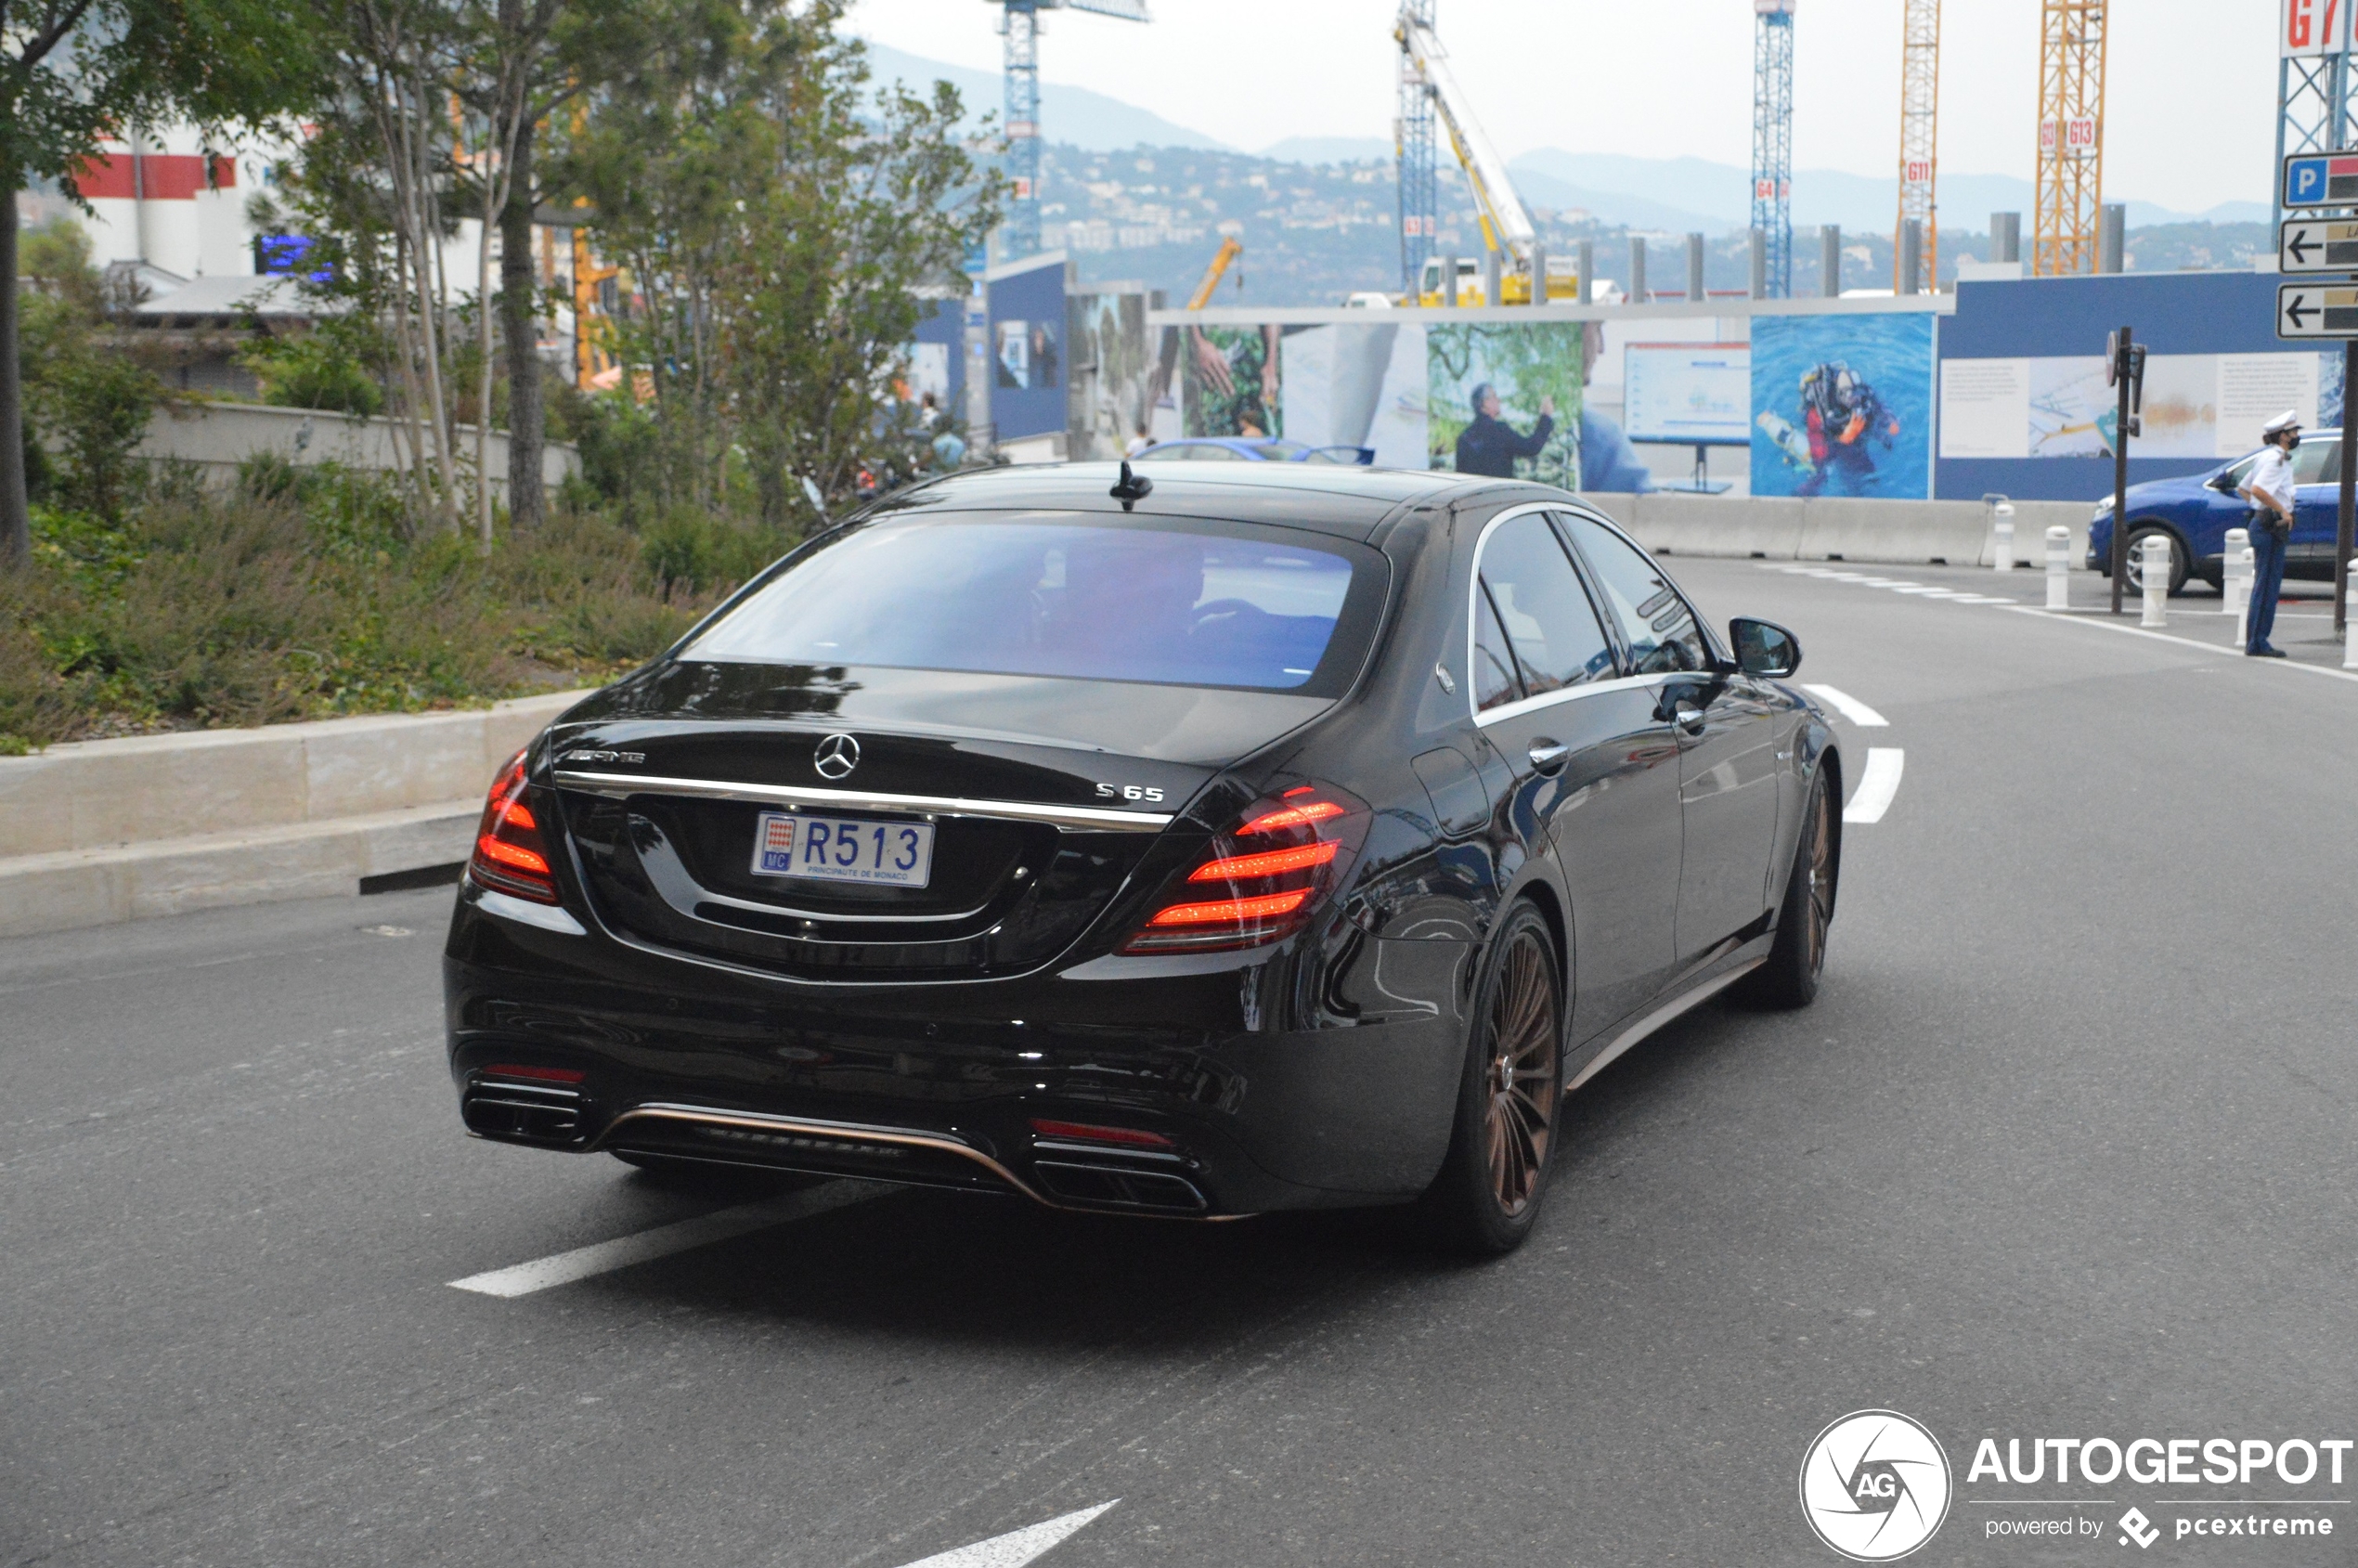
x=2269, y=488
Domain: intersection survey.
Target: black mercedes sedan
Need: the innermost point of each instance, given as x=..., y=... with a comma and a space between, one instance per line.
x=1245, y=838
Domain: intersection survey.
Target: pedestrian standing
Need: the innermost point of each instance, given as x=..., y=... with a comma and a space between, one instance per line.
x=2269, y=488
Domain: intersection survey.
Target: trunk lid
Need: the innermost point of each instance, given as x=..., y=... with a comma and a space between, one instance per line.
x=1042, y=796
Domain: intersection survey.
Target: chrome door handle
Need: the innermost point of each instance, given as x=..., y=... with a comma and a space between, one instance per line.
x=1688, y=718
x=1548, y=756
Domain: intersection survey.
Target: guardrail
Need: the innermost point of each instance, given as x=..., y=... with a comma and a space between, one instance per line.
x=1830, y=528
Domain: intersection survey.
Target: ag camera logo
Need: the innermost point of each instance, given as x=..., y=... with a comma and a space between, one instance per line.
x=1874, y=1486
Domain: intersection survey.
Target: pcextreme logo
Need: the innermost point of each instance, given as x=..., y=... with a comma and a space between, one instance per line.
x=1874, y=1486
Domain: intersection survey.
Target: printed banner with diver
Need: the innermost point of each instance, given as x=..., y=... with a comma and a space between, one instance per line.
x=1842, y=405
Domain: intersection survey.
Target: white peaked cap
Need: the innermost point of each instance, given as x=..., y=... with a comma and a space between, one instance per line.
x=2288, y=419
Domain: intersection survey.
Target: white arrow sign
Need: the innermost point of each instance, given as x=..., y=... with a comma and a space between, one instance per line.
x=1018, y=1546
x=2317, y=310
x=2317, y=245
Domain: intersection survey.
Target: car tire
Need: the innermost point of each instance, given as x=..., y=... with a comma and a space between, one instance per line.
x=1502, y=1144
x=2181, y=559
x=1797, y=955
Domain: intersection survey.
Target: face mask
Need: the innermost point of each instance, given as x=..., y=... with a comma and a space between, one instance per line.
x=2292, y=441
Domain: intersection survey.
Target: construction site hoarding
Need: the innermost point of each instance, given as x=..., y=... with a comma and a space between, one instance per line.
x=1842, y=405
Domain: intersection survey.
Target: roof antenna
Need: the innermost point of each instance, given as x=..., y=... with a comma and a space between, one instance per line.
x=1131, y=489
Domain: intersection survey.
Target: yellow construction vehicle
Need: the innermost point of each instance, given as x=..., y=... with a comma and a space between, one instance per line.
x=1230, y=249
x=1505, y=226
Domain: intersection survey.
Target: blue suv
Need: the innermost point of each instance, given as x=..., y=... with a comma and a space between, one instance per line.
x=2196, y=511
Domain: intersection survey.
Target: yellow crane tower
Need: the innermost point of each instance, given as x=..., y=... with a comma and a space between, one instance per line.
x=2071, y=138
x=1919, y=135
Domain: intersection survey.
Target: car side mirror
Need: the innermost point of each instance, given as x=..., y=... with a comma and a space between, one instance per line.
x=1764, y=648
x=2223, y=482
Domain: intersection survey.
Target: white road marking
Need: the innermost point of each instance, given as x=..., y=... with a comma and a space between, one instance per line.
x=2072, y=618
x=1928, y=592
x=1018, y=1546
x=1890, y=582
x=1878, y=782
x=1850, y=707
x=604, y=1257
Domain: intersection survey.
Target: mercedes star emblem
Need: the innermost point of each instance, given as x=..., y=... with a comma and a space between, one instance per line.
x=837, y=755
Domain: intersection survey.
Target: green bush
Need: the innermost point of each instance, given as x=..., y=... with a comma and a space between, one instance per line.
x=331, y=367
x=307, y=593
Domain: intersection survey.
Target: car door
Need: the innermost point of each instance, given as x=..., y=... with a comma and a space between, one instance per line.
x=1595, y=767
x=2316, y=512
x=1726, y=725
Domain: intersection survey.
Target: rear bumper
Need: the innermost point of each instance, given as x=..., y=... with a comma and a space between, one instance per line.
x=1268, y=1099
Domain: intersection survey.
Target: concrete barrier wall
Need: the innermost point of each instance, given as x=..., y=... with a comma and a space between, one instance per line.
x=1839, y=528
x=217, y=436
x=96, y=794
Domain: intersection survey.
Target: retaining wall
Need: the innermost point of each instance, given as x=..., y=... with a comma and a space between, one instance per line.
x=217, y=436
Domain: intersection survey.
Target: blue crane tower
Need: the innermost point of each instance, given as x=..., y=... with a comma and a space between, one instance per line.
x=2315, y=111
x=1021, y=22
x=1413, y=140
x=1772, y=140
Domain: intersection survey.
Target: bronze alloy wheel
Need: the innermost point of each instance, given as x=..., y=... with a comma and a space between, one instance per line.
x=1522, y=1073
x=1820, y=910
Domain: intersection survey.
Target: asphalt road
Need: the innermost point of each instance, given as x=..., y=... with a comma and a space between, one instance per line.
x=2064, y=1150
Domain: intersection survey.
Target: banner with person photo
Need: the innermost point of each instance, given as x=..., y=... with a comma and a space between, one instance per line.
x=1504, y=399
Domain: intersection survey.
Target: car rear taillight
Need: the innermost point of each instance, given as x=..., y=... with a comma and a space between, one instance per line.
x=511, y=856
x=1263, y=879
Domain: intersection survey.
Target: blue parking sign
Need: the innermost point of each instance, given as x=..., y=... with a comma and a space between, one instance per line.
x=2321, y=179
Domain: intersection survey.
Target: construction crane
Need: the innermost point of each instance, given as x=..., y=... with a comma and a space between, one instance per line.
x=1772, y=141
x=1021, y=22
x=2071, y=138
x=1919, y=135
x=1505, y=226
x=2312, y=82
x=1230, y=249
x=1412, y=135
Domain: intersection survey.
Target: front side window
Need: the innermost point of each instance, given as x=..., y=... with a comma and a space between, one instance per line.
x=1202, y=605
x=1660, y=629
x=1552, y=627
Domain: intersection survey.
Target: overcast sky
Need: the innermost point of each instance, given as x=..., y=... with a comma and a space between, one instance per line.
x=2191, y=84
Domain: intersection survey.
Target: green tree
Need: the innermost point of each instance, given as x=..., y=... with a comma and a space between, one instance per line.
x=71, y=69
x=778, y=218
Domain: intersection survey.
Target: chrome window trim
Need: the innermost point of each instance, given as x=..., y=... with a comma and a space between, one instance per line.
x=621, y=786
x=1521, y=705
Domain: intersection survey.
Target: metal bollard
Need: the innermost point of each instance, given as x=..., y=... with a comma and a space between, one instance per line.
x=2156, y=573
x=2003, y=514
x=2236, y=587
x=2059, y=568
x=2349, y=621
x=2247, y=567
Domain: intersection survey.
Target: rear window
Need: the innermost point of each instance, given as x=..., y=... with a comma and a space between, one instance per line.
x=1172, y=602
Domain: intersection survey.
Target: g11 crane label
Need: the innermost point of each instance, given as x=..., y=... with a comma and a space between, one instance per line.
x=2317, y=245
x=2317, y=310
x=2321, y=179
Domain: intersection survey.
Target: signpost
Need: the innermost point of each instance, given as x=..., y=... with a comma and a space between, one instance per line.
x=2312, y=244
x=2306, y=312
x=2124, y=369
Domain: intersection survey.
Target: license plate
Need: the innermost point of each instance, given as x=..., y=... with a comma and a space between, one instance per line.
x=843, y=849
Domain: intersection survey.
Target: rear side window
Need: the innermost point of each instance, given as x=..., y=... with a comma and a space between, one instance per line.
x=1553, y=628
x=2316, y=462
x=1494, y=682
x=1659, y=627
x=1176, y=603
